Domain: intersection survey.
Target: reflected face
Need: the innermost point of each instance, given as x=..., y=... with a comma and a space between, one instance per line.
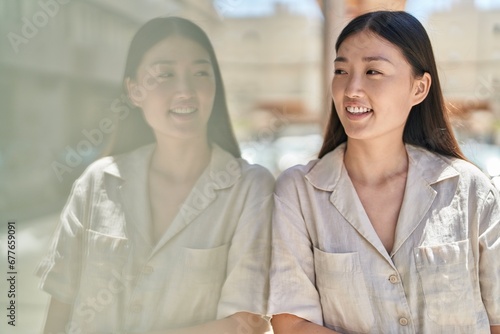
x=373, y=87
x=175, y=88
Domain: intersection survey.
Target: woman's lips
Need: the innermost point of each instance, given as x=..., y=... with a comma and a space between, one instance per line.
x=357, y=113
x=358, y=110
x=183, y=110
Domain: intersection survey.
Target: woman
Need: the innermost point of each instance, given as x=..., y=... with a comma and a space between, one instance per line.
x=174, y=236
x=390, y=230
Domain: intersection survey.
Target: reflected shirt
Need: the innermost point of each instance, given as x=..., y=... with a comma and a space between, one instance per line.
x=442, y=275
x=212, y=261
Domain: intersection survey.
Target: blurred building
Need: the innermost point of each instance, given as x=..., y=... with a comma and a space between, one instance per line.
x=272, y=67
x=468, y=57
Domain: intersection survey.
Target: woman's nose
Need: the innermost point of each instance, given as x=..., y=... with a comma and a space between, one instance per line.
x=354, y=88
x=185, y=86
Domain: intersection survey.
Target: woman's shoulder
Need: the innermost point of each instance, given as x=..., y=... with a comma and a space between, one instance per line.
x=256, y=175
x=320, y=173
x=114, y=164
x=297, y=172
x=230, y=170
x=294, y=177
x=471, y=175
x=224, y=162
x=468, y=173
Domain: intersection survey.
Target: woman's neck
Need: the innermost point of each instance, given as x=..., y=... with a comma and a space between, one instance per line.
x=180, y=160
x=375, y=163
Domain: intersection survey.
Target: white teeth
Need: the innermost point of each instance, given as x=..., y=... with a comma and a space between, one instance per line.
x=183, y=110
x=357, y=110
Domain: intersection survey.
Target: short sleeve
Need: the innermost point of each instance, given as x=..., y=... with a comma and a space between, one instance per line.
x=489, y=263
x=60, y=268
x=246, y=288
x=292, y=287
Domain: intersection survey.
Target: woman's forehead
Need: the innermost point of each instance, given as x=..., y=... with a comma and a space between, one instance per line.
x=368, y=44
x=176, y=48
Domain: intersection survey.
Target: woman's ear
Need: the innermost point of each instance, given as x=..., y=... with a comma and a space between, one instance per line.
x=133, y=92
x=421, y=88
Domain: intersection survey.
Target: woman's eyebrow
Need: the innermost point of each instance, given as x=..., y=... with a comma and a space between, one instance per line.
x=202, y=61
x=163, y=62
x=376, y=58
x=365, y=59
x=171, y=62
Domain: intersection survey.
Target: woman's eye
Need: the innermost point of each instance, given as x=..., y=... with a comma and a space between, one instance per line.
x=165, y=75
x=372, y=72
x=339, y=72
x=202, y=74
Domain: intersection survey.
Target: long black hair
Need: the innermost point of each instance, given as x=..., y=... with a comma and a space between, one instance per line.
x=427, y=125
x=219, y=129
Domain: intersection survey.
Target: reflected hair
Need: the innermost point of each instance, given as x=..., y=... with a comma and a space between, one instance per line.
x=428, y=125
x=219, y=129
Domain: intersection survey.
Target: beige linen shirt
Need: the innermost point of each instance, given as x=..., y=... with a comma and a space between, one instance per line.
x=212, y=262
x=442, y=275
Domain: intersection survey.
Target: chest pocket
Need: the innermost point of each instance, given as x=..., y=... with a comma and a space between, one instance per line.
x=447, y=282
x=206, y=266
x=343, y=292
x=203, y=275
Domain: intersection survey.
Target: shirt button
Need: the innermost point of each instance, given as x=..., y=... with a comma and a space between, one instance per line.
x=393, y=279
x=403, y=321
x=148, y=270
x=136, y=308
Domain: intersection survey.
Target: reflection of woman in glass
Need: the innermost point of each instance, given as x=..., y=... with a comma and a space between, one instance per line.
x=174, y=236
x=391, y=230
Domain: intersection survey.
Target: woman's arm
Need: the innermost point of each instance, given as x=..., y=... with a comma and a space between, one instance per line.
x=291, y=324
x=60, y=269
x=241, y=322
x=57, y=317
x=292, y=277
x=489, y=275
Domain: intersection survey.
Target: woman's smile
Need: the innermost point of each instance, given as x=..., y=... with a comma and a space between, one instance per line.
x=183, y=111
x=356, y=113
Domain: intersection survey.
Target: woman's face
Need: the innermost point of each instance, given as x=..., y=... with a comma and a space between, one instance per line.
x=175, y=88
x=373, y=87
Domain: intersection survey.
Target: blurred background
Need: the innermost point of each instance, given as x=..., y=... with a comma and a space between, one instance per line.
x=61, y=67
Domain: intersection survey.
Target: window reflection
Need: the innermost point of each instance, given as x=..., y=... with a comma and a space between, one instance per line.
x=61, y=64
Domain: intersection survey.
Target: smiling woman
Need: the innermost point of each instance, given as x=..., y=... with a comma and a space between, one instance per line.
x=391, y=230
x=173, y=237
x=373, y=82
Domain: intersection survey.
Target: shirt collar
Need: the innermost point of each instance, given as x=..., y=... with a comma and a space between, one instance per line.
x=223, y=169
x=325, y=174
x=432, y=167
